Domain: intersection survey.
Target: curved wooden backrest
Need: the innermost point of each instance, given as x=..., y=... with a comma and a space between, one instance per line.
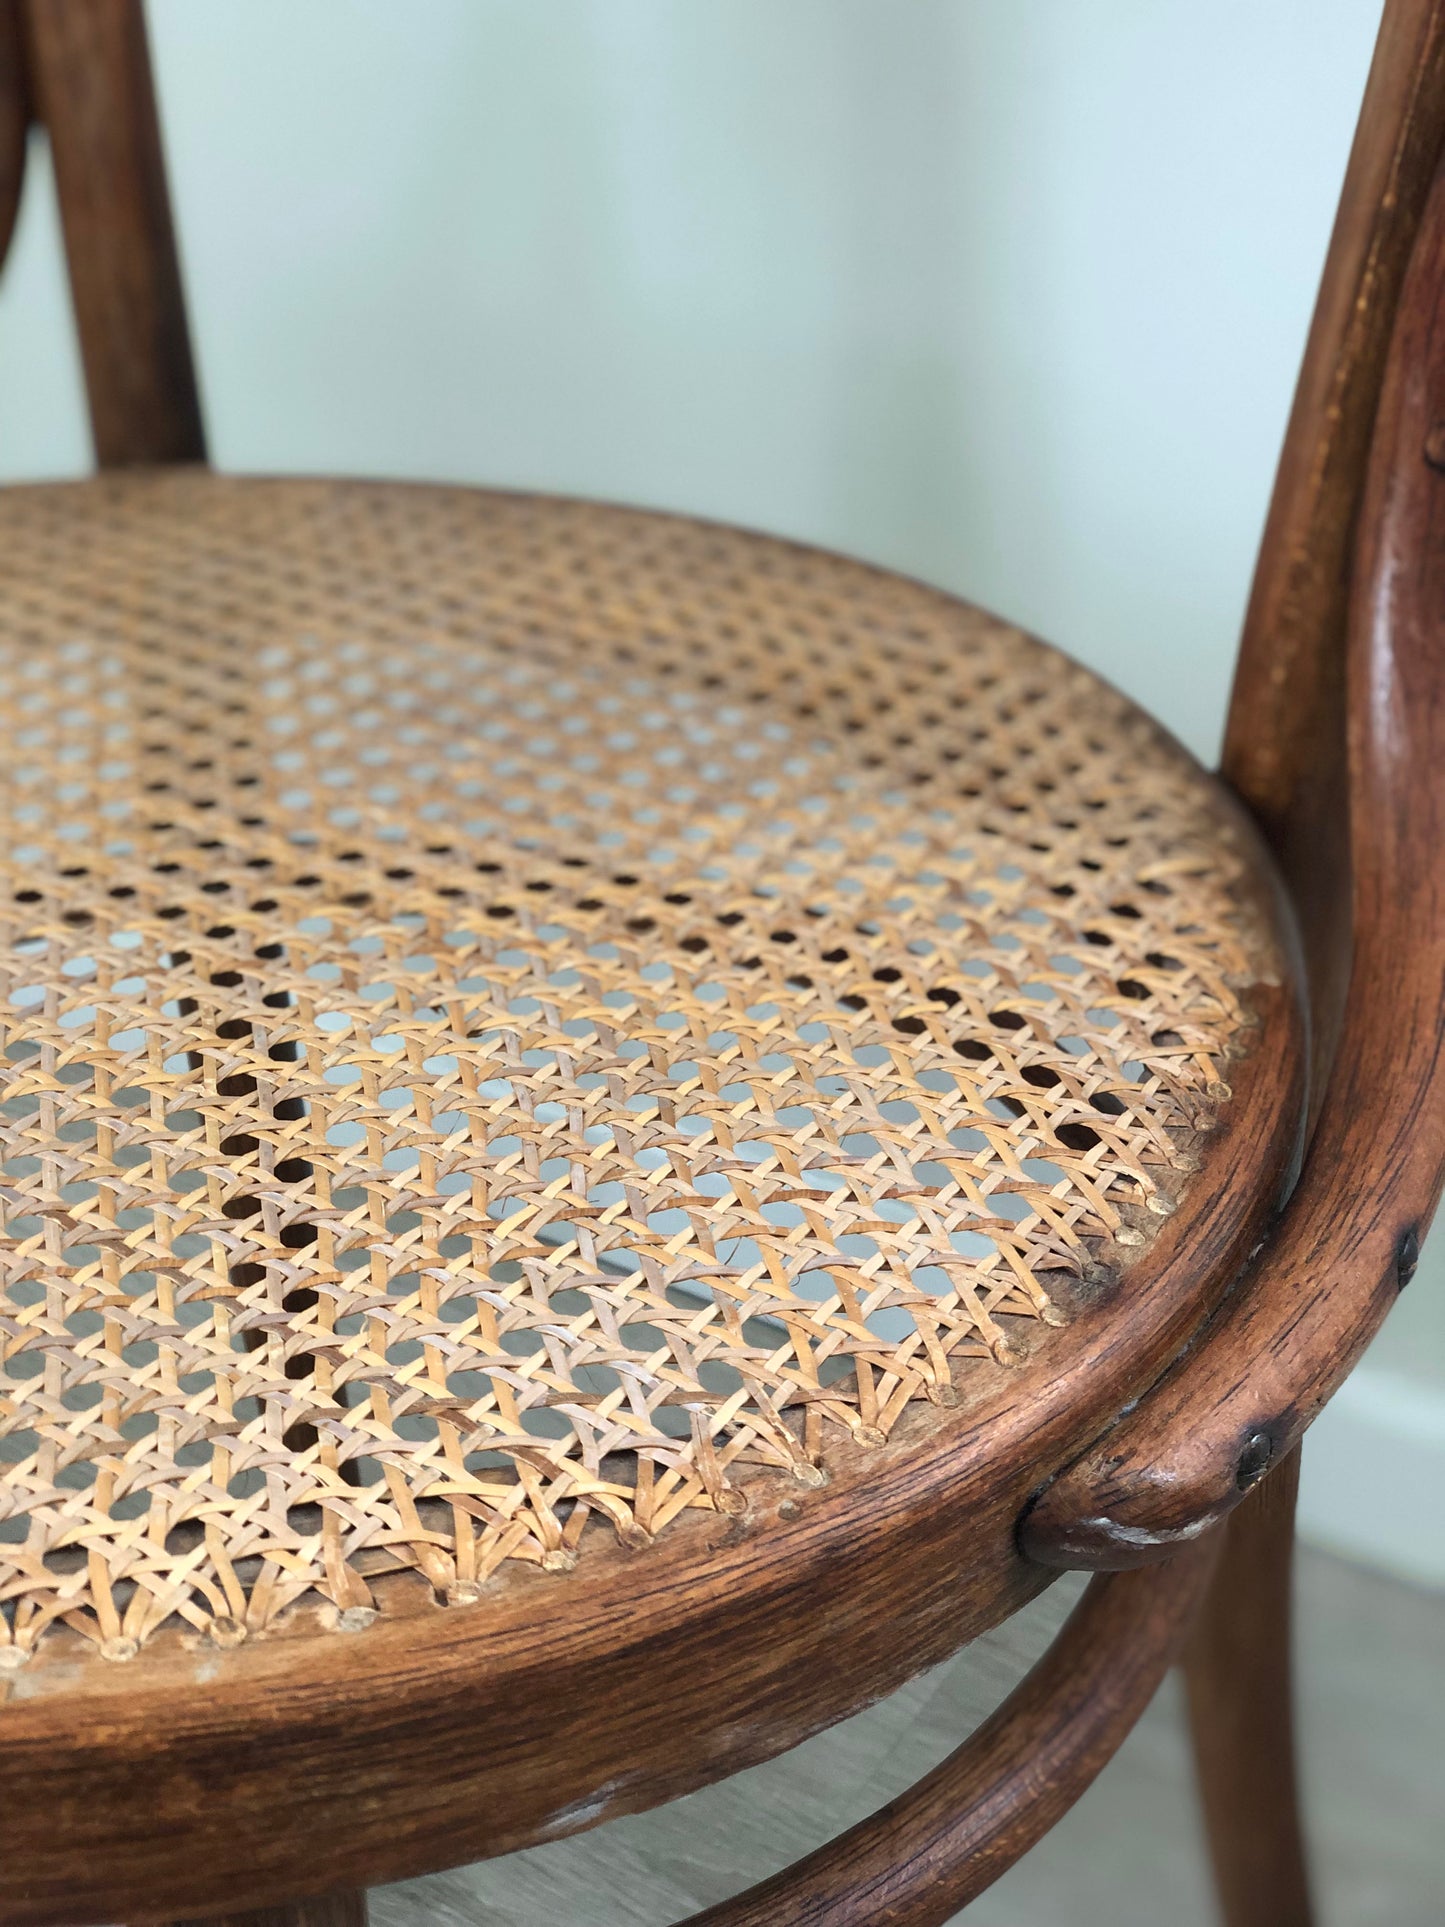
x=14, y=121
x=1337, y=740
x=1284, y=749
x=89, y=82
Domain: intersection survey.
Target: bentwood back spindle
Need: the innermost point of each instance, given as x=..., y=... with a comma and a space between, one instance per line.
x=618, y=1134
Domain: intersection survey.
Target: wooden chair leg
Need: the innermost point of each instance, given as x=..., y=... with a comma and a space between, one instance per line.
x=336, y=1910
x=1238, y=1671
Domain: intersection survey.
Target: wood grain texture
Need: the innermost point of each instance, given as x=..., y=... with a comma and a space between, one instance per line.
x=14, y=120
x=91, y=81
x=1238, y=1667
x=338, y=1910
x=1350, y=1236
x=1284, y=749
x=919, y=1859
x=1129, y=1854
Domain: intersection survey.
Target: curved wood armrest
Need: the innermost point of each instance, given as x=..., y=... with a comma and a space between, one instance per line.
x=919, y=1859
x=14, y=121
x=1350, y=1236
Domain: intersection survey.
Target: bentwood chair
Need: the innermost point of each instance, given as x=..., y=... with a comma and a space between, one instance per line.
x=619, y=1134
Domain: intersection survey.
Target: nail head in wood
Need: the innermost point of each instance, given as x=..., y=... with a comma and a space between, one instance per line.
x=1407, y=1258
x=1254, y=1460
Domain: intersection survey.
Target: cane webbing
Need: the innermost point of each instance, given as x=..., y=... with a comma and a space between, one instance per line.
x=518, y=1013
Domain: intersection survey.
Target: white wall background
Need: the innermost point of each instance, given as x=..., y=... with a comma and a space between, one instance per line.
x=1006, y=293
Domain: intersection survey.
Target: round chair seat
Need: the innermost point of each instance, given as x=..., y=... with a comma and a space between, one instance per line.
x=632, y=1078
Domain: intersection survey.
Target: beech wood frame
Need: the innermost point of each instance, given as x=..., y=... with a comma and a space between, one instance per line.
x=1336, y=728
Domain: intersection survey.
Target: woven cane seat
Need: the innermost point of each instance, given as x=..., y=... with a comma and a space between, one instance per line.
x=522, y=1020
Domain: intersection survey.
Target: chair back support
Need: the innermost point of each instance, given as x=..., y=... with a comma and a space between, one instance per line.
x=14, y=121
x=88, y=80
x=1284, y=747
x=1337, y=741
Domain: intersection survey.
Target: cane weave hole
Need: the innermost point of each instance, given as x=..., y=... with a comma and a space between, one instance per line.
x=519, y=1014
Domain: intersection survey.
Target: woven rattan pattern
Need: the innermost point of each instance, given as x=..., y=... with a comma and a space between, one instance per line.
x=516, y=1013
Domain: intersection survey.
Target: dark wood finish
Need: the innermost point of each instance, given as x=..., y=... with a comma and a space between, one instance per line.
x=14, y=121
x=1237, y=1666
x=553, y=1705
x=1284, y=748
x=91, y=82
x=919, y=1859
x=1350, y=1236
x=339, y=1910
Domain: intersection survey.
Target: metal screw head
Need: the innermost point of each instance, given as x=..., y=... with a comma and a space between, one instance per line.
x=1435, y=445
x=1253, y=1461
x=1407, y=1257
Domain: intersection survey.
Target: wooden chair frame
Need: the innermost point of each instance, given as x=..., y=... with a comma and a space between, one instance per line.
x=1336, y=730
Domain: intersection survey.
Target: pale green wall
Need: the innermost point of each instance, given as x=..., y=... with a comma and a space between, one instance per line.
x=1009, y=293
